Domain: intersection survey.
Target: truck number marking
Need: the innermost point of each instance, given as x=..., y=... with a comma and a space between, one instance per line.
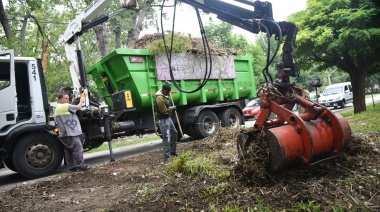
x=34, y=72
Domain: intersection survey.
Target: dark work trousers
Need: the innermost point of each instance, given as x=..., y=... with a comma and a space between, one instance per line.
x=169, y=137
x=73, y=151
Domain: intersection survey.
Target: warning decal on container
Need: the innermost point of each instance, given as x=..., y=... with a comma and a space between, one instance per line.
x=187, y=66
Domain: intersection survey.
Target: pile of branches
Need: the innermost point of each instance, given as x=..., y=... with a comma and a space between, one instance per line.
x=182, y=43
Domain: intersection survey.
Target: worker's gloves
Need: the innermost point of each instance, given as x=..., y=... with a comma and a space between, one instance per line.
x=173, y=107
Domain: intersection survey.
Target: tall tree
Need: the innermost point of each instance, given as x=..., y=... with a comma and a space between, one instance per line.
x=5, y=22
x=220, y=33
x=344, y=34
x=134, y=32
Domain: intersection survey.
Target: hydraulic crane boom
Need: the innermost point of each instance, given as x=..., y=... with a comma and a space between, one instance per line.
x=260, y=19
x=86, y=20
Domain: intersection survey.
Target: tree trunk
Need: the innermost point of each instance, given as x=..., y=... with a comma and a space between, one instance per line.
x=134, y=33
x=45, y=57
x=117, y=32
x=22, y=33
x=102, y=35
x=358, y=85
x=4, y=22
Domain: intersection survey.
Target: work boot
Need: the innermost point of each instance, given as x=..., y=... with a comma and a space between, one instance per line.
x=84, y=168
x=167, y=159
x=74, y=169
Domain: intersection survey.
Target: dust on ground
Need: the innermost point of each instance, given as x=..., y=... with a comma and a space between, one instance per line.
x=145, y=183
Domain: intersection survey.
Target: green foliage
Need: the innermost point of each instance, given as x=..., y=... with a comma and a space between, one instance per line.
x=342, y=34
x=371, y=81
x=198, y=166
x=334, y=75
x=233, y=208
x=337, y=209
x=181, y=43
x=220, y=33
x=309, y=206
x=329, y=30
x=215, y=190
x=262, y=41
x=56, y=78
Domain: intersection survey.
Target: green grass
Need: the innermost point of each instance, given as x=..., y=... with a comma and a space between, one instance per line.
x=126, y=142
x=370, y=96
x=365, y=122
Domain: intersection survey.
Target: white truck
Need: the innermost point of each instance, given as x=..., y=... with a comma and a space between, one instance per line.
x=28, y=143
x=336, y=95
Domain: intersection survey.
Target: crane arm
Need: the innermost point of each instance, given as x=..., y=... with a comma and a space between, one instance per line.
x=255, y=17
x=90, y=18
x=86, y=20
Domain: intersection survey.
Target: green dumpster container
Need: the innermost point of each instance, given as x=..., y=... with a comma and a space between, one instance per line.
x=143, y=74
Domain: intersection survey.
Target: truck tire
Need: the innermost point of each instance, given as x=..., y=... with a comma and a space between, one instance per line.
x=9, y=163
x=231, y=118
x=191, y=132
x=207, y=123
x=37, y=155
x=343, y=104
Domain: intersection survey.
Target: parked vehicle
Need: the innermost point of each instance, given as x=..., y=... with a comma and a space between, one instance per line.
x=313, y=97
x=252, y=109
x=336, y=95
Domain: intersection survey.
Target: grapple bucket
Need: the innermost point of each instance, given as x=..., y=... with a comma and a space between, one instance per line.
x=296, y=140
x=289, y=148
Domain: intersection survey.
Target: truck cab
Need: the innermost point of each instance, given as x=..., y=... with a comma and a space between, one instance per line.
x=27, y=142
x=20, y=84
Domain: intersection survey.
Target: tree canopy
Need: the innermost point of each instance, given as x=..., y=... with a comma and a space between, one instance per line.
x=221, y=33
x=343, y=34
x=34, y=28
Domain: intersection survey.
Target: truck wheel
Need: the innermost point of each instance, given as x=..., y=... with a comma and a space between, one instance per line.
x=9, y=163
x=231, y=118
x=37, y=155
x=343, y=104
x=191, y=132
x=207, y=123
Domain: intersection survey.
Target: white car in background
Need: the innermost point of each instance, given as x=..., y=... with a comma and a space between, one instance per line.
x=336, y=95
